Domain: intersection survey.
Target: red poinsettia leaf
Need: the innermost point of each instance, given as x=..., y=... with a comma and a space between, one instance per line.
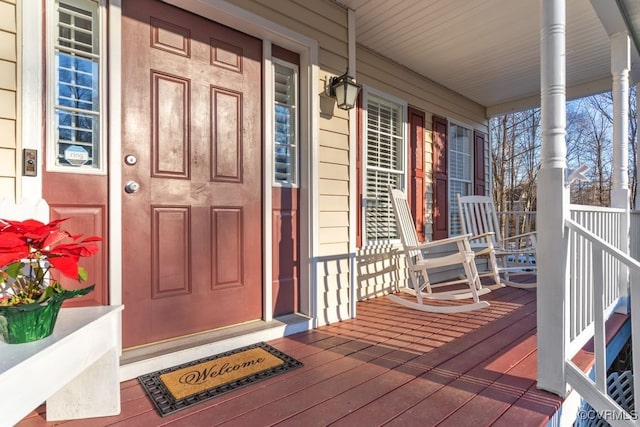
x=34, y=240
x=11, y=257
x=66, y=265
x=54, y=225
x=26, y=225
x=10, y=239
x=74, y=249
x=31, y=231
x=54, y=237
x=89, y=249
x=35, y=230
x=67, y=249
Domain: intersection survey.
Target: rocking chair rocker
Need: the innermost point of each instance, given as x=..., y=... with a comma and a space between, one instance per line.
x=419, y=263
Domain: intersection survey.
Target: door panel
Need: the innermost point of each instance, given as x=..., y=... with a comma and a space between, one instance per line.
x=83, y=200
x=227, y=253
x=286, y=263
x=170, y=102
x=192, y=250
x=170, y=248
x=227, y=133
x=89, y=221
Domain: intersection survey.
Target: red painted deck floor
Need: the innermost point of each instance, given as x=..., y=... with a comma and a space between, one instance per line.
x=390, y=366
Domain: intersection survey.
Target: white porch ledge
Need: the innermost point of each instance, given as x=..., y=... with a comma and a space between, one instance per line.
x=75, y=369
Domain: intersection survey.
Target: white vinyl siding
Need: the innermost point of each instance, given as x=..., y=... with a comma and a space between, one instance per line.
x=384, y=165
x=9, y=97
x=76, y=110
x=460, y=171
x=285, y=126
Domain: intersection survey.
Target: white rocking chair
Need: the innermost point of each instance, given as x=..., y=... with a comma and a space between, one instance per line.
x=418, y=263
x=510, y=256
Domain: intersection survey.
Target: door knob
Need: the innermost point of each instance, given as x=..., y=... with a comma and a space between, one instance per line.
x=131, y=187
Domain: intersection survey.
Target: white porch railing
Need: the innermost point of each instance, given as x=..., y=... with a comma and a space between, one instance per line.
x=607, y=224
x=599, y=271
x=598, y=261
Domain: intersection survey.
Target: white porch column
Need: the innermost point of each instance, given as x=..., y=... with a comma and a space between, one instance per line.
x=553, y=204
x=620, y=65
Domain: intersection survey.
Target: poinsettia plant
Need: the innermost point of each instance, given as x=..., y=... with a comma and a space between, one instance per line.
x=30, y=254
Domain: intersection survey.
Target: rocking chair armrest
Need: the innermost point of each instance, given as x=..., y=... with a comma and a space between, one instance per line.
x=482, y=236
x=520, y=236
x=435, y=243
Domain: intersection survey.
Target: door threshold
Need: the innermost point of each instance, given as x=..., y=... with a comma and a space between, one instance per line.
x=142, y=360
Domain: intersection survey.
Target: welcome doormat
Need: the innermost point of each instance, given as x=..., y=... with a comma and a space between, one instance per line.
x=179, y=387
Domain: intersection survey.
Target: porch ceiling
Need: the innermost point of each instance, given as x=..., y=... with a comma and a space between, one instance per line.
x=489, y=50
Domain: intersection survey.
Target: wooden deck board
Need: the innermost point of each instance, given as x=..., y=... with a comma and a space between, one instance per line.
x=391, y=365
x=444, y=368
x=491, y=402
x=454, y=396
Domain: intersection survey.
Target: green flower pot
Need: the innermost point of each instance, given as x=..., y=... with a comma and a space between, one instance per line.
x=32, y=322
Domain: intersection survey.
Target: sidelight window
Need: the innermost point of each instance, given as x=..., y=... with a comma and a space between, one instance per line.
x=76, y=142
x=285, y=126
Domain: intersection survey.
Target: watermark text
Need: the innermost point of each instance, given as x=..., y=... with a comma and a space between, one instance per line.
x=607, y=415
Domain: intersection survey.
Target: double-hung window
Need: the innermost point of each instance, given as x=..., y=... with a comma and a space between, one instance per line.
x=76, y=101
x=460, y=171
x=384, y=163
x=285, y=132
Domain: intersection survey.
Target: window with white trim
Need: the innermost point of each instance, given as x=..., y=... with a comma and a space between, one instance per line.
x=460, y=171
x=285, y=123
x=384, y=164
x=75, y=103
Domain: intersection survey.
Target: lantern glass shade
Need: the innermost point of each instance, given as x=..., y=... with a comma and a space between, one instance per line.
x=345, y=90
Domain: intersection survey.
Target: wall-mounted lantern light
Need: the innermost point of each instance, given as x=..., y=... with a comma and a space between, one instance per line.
x=344, y=89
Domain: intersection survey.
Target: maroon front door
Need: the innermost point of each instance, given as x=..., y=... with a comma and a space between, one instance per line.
x=192, y=232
